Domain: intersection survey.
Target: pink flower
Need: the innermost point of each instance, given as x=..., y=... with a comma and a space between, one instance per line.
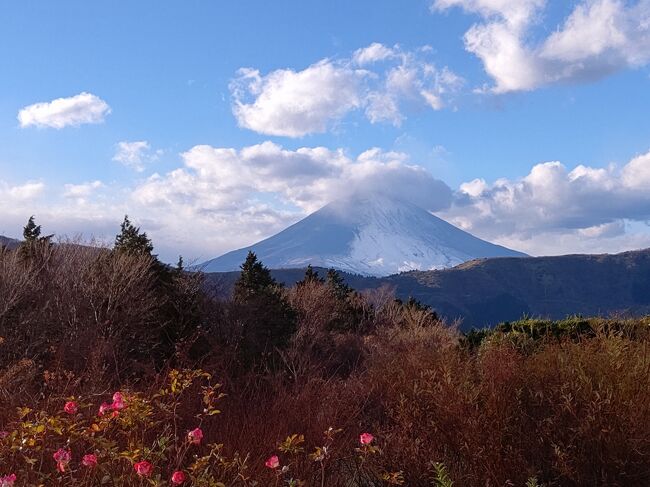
x=89, y=460
x=118, y=401
x=195, y=436
x=117, y=404
x=273, y=462
x=3, y=435
x=70, y=407
x=104, y=407
x=143, y=468
x=62, y=457
x=8, y=480
x=366, y=438
x=178, y=477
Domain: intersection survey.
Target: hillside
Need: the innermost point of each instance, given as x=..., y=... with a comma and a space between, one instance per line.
x=112, y=366
x=8, y=242
x=373, y=235
x=488, y=291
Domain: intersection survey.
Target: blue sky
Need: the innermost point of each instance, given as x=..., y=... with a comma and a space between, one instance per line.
x=451, y=90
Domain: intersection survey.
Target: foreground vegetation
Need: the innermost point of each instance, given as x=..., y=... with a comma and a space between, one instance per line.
x=117, y=370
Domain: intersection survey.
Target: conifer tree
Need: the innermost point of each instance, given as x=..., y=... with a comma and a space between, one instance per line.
x=338, y=285
x=177, y=313
x=311, y=276
x=268, y=319
x=32, y=232
x=32, y=239
x=179, y=266
x=254, y=279
x=350, y=315
x=132, y=241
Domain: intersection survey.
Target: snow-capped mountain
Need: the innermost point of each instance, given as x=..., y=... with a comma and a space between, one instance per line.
x=368, y=235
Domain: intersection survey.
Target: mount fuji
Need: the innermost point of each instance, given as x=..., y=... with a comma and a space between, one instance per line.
x=370, y=235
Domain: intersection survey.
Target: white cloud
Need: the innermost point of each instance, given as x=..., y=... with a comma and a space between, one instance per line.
x=216, y=179
x=84, y=108
x=82, y=191
x=476, y=187
x=636, y=174
x=597, y=38
x=589, y=31
x=375, y=52
x=414, y=83
x=296, y=103
x=239, y=196
x=136, y=154
x=23, y=192
x=585, y=206
x=516, y=13
x=222, y=198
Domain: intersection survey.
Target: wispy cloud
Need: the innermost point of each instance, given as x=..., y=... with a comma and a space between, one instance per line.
x=135, y=155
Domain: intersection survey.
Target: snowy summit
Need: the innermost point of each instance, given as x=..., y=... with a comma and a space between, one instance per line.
x=369, y=235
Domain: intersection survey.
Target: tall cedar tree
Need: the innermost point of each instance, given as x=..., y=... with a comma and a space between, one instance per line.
x=31, y=231
x=349, y=316
x=268, y=319
x=311, y=276
x=178, y=311
x=254, y=279
x=131, y=240
x=32, y=239
x=338, y=285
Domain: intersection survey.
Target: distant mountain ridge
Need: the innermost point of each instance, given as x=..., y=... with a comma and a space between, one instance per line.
x=9, y=242
x=485, y=292
x=371, y=235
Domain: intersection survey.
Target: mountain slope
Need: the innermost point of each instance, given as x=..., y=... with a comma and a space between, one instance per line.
x=8, y=242
x=369, y=235
x=488, y=291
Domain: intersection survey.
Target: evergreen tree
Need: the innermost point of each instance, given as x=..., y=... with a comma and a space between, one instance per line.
x=178, y=270
x=350, y=314
x=32, y=232
x=254, y=279
x=268, y=321
x=413, y=303
x=132, y=241
x=32, y=239
x=177, y=314
x=310, y=276
x=338, y=285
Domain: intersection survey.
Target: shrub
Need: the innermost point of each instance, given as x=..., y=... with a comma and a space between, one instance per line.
x=307, y=370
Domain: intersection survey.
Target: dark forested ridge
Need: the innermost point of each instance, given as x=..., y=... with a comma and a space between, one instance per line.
x=8, y=242
x=488, y=291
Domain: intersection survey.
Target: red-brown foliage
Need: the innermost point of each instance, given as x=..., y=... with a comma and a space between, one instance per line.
x=570, y=409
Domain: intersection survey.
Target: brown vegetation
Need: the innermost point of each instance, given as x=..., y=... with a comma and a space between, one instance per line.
x=567, y=404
